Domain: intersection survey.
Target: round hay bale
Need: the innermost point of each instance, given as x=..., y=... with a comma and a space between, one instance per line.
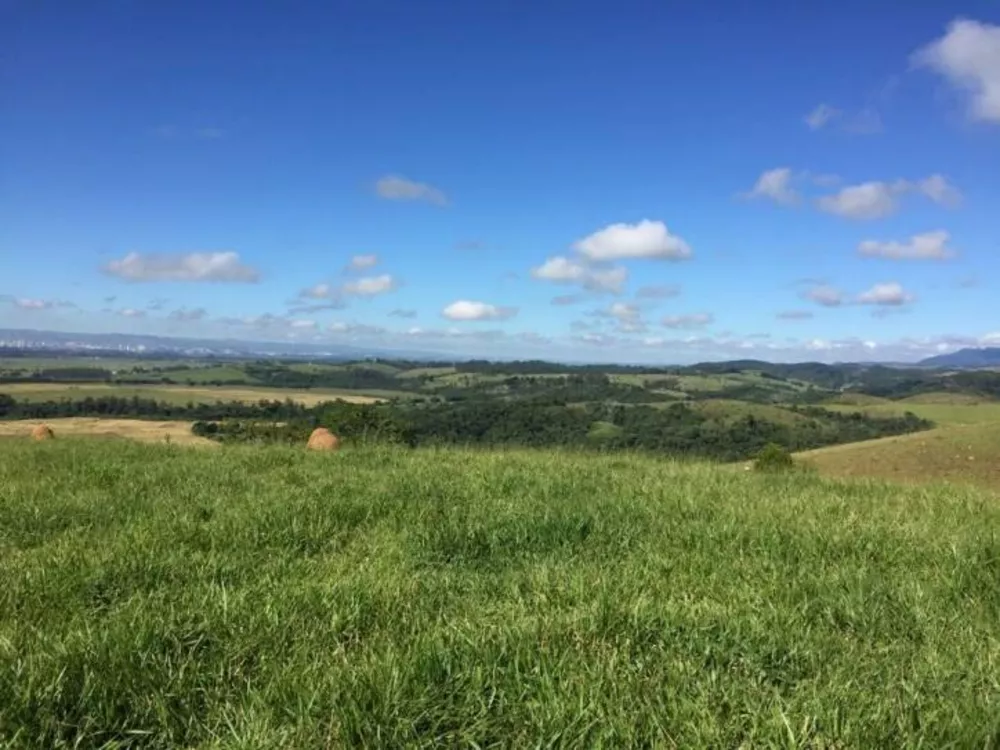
x=42, y=432
x=322, y=439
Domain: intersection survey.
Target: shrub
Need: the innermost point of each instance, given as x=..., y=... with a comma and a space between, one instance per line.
x=773, y=457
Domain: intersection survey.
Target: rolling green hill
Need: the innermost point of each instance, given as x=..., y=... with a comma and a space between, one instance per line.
x=156, y=596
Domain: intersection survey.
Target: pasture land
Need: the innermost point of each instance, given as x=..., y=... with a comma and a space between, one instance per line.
x=182, y=394
x=146, y=431
x=162, y=597
x=956, y=453
x=944, y=414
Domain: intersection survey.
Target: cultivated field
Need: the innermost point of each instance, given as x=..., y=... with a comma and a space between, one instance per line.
x=181, y=394
x=146, y=431
x=244, y=597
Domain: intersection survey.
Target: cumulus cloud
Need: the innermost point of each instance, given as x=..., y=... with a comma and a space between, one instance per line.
x=131, y=312
x=646, y=239
x=370, y=286
x=794, y=315
x=318, y=291
x=697, y=320
x=869, y=200
x=968, y=57
x=469, y=310
x=560, y=269
x=927, y=246
x=820, y=116
x=775, y=185
x=877, y=199
x=938, y=189
x=396, y=188
x=212, y=266
x=361, y=262
x=824, y=295
x=185, y=315
x=888, y=293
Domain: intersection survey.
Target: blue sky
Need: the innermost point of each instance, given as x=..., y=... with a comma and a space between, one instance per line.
x=638, y=182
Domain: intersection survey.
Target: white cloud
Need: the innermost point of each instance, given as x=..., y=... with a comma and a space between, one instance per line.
x=303, y=324
x=697, y=320
x=361, y=262
x=213, y=266
x=627, y=317
x=319, y=291
x=34, y=304
x=938, y=189
x=775, y=184
x=468, y=310
x=968, y=56
x=567, y=271
x=824, y=295
x=623, y=311
x=869, y=200
x=184, y=314
x=888, y=293
x=927, y=246
x=877, y=199
x=394, y=187
x=646, y=239
x=820, y=116
x=370, y=286
x=131, y=312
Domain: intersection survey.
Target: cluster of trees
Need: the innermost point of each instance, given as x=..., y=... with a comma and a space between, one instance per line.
x=58, y=375
x=559, y=390
x=356, y=378
x=146, y=408
x=676, y=430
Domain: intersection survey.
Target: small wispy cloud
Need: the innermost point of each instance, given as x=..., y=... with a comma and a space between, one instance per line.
x=397, y=188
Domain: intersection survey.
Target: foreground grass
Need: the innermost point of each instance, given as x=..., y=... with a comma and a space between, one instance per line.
x=247, y=598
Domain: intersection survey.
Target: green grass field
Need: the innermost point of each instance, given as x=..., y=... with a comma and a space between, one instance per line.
x=160, y=597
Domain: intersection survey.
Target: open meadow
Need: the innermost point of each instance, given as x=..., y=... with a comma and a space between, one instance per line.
x=157, y=596
x=143, y=430
x=963, y=447
x=182, y=394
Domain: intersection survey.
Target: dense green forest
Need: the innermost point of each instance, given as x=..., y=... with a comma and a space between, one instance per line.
x=678, y=429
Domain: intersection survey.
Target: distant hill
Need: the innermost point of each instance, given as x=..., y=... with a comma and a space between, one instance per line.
x=985, y=357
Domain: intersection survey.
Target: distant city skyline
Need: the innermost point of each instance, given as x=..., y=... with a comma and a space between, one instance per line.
x=635, y=183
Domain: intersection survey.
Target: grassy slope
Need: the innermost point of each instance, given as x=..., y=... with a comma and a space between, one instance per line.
x=273, y=598
x=963, y=448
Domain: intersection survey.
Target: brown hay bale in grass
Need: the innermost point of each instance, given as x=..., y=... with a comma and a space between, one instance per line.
x=322, y=439
x=42, y=432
